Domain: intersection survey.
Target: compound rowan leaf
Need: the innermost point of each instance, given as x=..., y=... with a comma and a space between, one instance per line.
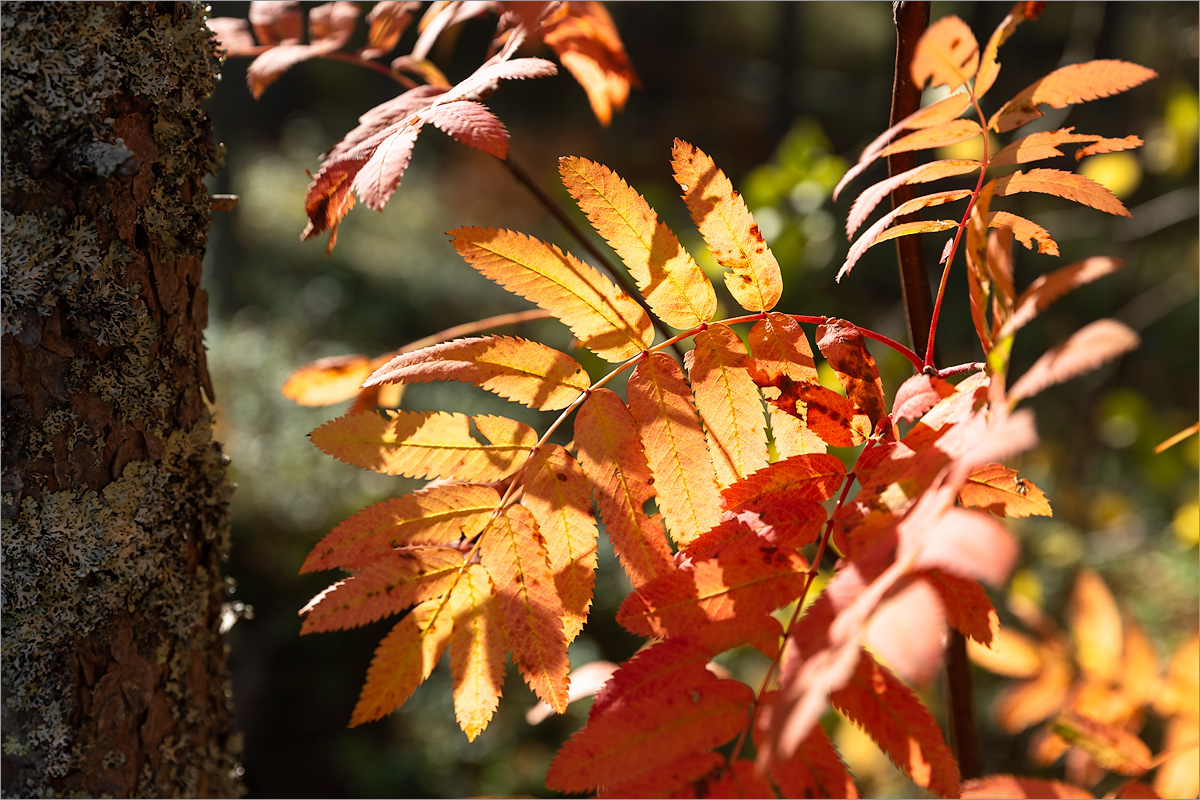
x=742, y=582
x=606, y=320
x=845, y=349
x=816, y=770
x=732, y=235
x=427, y=444
x=1086, y=349
x=1000, y=490
x=612, y=458
x=431, y=516
x=389, y=584
x=812, y=476
x=518, y=369
x=661, y=402
x=472, y=124
x=403, y=660
x=947, y=54
x=628, y=738
x=675, y=287
x=933, y=171
x=483, y=79
x=967, y=607
x=476, y=651
x=587, y=43
x=327, y=380
x=989, y=67
x=1019, y=786
x=729, y=404
x=872, y=234
x=1075, y=83
x=895, y=718
x=1068, y=185
x=1045, y=289
x=1025, y=231
x=514, y=553
x=780, y=347
x=557, y=495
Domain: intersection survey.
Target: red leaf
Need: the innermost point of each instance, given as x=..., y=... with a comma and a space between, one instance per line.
x=917, y=395
x=829, y=415
x=815, y=770
x=675, y=779
x=967, y=544
x=967, y=607
x=331, y=24
x=844, y=347
x=388, y=20
x=277, y=22
x=814, y=476
x=472, y=124
x=742, y=779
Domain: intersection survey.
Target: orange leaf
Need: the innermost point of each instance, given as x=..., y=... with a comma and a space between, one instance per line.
x=514, y=553
x=403, y=660
x=738, y=583
x=476, y=651
x=872, y=234
x=946, y=55
x=729, y=404
x=844, y=347
x=1067, y=185
x=1045, y=289
x=780, y=347
x=1181, y=692
x=436, y=515
x=388, y=22
x=741, y=779
x=966, y=605
x=1013, y=786
x=427, y=445
x=1043, y=144
x=1011, y=653
x=328, y=380
x=389, y=584
x=328, y=199
x=895, y=718
x=1026, y=232
x=518, y=369
x=606, y=320
x=728, y=229
x=815, y=770
x=557, y=495
x=673, y=284
x=943, y=135
x=1030, y=702
x=661, y=402
x=1086, y=349
x=827, y=414
x=1075, y=83
x=627, y=740
x=933, y=171
x=1179, y=775
x=1096, y=629
x=1112, y=748
x=814, y=476
x=1002, y=491
x=989, y=67
x=588, y=45
x=652, y=670
x=612, y=458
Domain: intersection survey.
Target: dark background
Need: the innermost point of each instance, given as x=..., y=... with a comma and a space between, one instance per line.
x=783, y=96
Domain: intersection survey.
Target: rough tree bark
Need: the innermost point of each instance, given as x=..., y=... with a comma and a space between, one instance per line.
x=115, y=499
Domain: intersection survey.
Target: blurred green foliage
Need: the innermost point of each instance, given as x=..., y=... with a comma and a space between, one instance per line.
x=783, y=96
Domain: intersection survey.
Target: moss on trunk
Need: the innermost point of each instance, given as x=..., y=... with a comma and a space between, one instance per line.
x=115, y=499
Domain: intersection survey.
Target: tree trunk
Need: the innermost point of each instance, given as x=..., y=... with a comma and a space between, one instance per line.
x=115, y=499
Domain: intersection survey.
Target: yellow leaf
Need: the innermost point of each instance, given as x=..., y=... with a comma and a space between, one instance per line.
x=675, y=287
x=728, y=229
x=661, y=402
x=606, y=320
x=476, y=651
x=517, y=369
x=729, y=404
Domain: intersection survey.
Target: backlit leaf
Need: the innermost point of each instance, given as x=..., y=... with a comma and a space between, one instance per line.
x=845, y=349
x=780, y=347
x=1086, y=349
x=514, y=554
x=947, y=54
x=472, y=124
x=917, y=395
x=327, y=381
x=435, y=515
x=989, y=67
x=684, y=481
x=872, y=196
x=587, y=43
x=329, y=198
x=1028, y=703
x=267, y=67
x=872, y=234
x=1028, y=233
x=895, y=718
x=1019, y=786
x=389, y=584
x=907, y=632
x=612, y=458
x=606, y=320
x=380, y=176
x=673, y=284
x=728, y=229
x=966, y=605
x=476, y=651
x=1012, y=653
x=1112, y=748
x=276, y=23
x=388, y=21
x=967, y=544
x=1045, y=289
x=813, y=476
x=403, y=660
x=1096, y=629
x=518, y=369
x=1000, y=490
x=728, y=403
x=427, y=445
x=1044, y=144
x=947, y=133
x=557, y=495
x=1075, y=83
x=675, y=779
x=741, y=779
x=826, y=413
x=815, y=770
x=1067, y=185
x=482, y=79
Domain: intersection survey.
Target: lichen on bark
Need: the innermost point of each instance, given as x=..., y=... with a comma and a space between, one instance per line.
x=113, y=496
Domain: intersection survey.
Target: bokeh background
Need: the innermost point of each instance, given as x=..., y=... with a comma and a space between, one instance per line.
x=783, y=96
